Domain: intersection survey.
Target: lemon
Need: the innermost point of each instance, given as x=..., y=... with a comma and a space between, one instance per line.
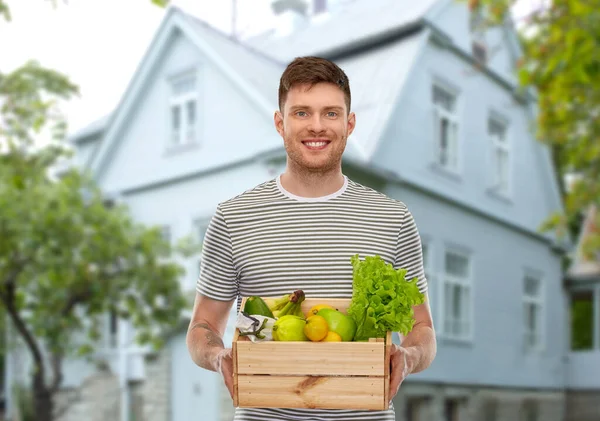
x=332, y=337
x=316, y=328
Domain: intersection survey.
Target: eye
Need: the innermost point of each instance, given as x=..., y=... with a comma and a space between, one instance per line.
x=332, y=114
x=301, y=113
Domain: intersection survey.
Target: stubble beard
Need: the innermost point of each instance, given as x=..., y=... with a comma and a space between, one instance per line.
x=302, y=166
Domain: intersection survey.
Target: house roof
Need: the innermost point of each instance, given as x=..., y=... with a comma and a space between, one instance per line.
x=254, y=66
x=92, y=129
x=256, y=72
x=360, y=23
x=584, y=267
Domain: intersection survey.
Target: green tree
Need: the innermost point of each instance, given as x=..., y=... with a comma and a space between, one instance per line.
x=561, y=66
x=67, y=258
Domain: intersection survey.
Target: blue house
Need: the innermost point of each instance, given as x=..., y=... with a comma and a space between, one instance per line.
x=441, y=126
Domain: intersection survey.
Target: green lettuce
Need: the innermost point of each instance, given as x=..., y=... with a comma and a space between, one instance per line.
x=382, y=298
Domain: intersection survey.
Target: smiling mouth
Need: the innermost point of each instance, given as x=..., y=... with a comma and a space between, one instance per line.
x=316, y=144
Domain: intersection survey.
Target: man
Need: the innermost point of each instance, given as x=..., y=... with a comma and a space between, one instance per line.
x=299, y=230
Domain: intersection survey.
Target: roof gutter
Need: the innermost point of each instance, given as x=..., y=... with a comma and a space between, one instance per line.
x=376, y=40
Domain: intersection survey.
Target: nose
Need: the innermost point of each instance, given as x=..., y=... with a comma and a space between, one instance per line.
x=315, y=124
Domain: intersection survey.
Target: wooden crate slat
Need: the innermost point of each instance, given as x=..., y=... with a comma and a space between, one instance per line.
x=312, y=358
x=388, y=348
x=311, y=392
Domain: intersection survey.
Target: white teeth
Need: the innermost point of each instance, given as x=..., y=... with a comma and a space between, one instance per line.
x=316, y=144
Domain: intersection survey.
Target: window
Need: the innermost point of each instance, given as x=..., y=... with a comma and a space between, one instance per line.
x=489, y=410
x=529, y=411
x=477, y=26
x=166, y=233
x=457, y=295
x=183, y=114
x=479, y=51
x=582, y=320
x=446, y=128
x=500, y=155
x=200, y=227
x=113, y=329
x=452, y=408
x=416, y=408
x=426, y=251
x=532, y=311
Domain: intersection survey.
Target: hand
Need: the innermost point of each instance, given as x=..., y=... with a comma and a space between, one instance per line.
x=225, y=368
x=401, y=362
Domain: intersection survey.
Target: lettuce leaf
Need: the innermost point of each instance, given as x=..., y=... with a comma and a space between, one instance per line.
x=382, y=298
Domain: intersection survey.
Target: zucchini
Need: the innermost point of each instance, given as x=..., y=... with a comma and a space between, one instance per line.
x=257, y=306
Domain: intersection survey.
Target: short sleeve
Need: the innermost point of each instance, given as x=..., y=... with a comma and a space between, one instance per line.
x=218, y=276
x=409, y=254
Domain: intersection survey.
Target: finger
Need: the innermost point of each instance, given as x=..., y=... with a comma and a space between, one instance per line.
x=394, y=379
x=229, y=385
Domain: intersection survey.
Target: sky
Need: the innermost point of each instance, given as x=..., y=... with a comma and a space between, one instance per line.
x=98, y=44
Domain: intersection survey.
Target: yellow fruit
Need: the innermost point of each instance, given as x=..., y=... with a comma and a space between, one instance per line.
x=332, y=337
x=315, y=309
x=316, y=328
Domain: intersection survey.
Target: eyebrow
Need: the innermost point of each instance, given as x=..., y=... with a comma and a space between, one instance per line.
x=330, y=107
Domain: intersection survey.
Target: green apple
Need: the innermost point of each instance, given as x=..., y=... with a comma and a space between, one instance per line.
x=340, y=323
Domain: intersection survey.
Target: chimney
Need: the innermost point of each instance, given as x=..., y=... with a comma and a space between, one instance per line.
x=290, y=15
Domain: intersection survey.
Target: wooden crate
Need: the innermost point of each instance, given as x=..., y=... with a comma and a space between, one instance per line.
x=325, y=375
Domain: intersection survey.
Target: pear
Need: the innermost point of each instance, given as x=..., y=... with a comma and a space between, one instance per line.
x=289, y=328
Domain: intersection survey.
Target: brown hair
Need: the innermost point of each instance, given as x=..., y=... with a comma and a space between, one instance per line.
x=312, y=70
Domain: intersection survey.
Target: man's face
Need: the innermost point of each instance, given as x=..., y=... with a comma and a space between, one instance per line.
x=315, y=125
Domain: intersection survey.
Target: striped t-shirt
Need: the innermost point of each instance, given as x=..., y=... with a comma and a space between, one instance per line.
x=269, y=242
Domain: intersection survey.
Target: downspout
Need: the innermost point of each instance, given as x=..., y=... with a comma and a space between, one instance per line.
x=8, y=373
x=596, y=321
x=123, y=383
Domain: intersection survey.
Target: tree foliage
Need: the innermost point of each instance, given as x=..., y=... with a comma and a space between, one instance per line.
x=561, y=66
x=68, y=256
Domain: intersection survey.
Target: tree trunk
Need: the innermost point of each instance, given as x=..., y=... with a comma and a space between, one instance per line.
x=42, y=400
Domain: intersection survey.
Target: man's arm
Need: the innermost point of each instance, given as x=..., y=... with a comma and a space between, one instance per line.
x=420, y=341
x=205, y=333
x=418, y=348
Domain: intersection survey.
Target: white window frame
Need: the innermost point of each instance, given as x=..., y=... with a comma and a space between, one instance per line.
x=453, y=161
x=166, y=233
x=539, y=301
x=181, y=100
x=504, y=146
x=467, y=283
x=428, y=268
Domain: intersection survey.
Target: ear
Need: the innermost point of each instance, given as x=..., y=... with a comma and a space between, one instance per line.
x=351, y=123
x=278, y=119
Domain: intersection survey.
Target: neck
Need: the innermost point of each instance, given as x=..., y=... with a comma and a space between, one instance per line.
x=312, y=184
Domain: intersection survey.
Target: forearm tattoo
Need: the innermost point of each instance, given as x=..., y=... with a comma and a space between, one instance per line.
x=211, y=337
